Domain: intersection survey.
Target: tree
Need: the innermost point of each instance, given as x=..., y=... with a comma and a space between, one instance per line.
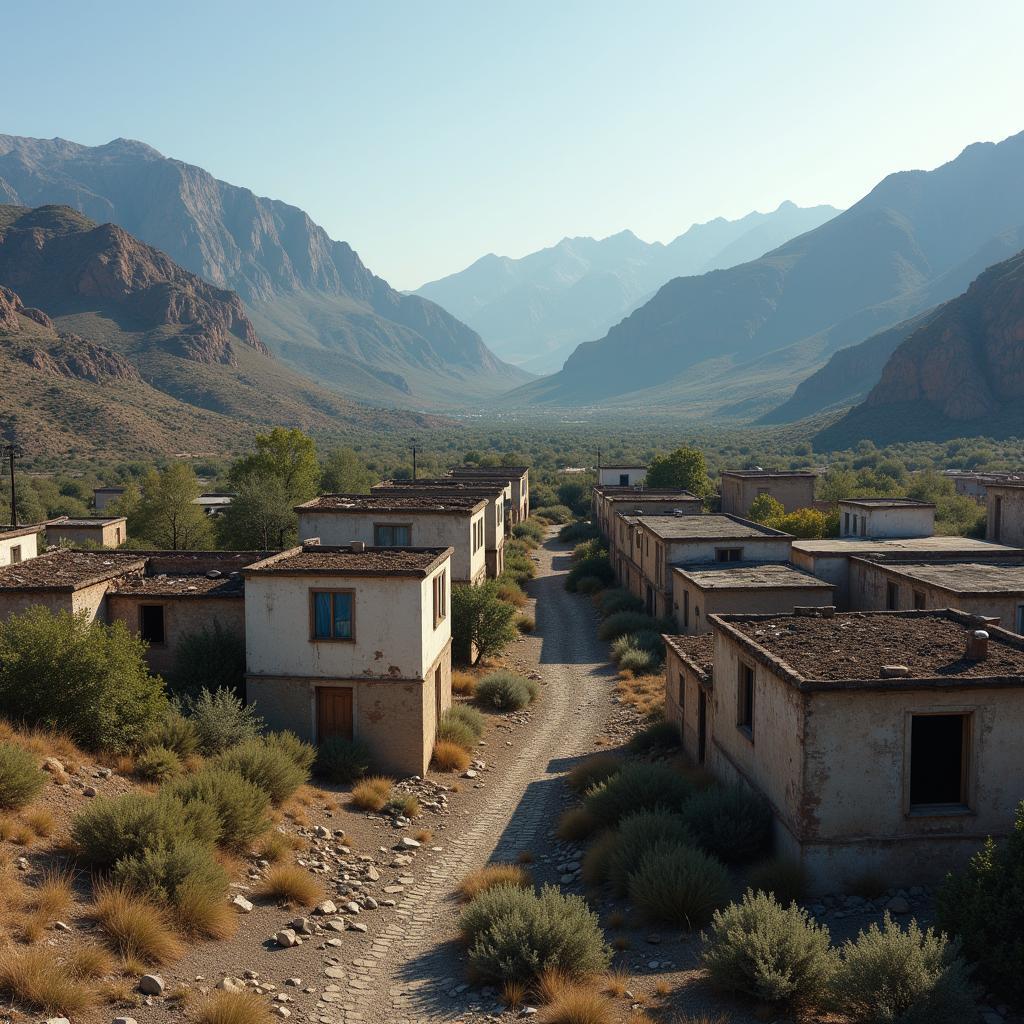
x=805, y=523
x=684, y=468
x=286, y=455
x=344, y=473
x=166, y=515
x=260, y=517
x=481, y=620
x=765, y=508
x=84, y=678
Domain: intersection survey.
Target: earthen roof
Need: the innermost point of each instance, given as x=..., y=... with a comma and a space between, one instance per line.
x=684, y=497
x=886, y=502
x=86, y=521
x=919, y=545
x=762, y=473
x=749, y=576
x=707, y=527
x=698, y=650
x=69, y=570
x=343, y=561
x=10, y=532
x=181, y=585
x=449, y=504
x=962, y=578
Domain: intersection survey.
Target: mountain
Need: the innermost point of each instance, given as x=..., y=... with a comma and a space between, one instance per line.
x=533, y=311
x=737, y=342
x=108, y=348
x=959, y=373
x=309, y=297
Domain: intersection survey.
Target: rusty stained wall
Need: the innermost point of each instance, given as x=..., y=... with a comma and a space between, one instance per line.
x=738, y=493
x=756, y=600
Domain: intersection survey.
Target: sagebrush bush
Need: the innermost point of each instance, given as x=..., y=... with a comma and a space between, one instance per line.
x=515, y=935
x=678, y=884
x=450, y=757
x=513, y=594
x=598, y=567
x=240, y=806
x=157, y=764
x=575, y=824
x=637, y=833
x=622, y=623
x=732, y=822
x=526, y=623
x=637, y=787
x=451, y=730
x=891, y=976
x=221, y=719
x=175, y=732
x=405, y=804
x=784, y=879
x=773, y=953
x=265, y=763
x=597, y=859
x=656, y=736
x=587, y=549
x=529, y=529
x=301, y=753
x=210, y=659
x=618, y=599
x=110, y=829
x=588, y=585
x=557, y=514
x=574, y=532
x=159, y=872
x=503, y=691
x=593, y=770
x=342, y=761
x=640, y=663
x=21, y=778
x=469, y=716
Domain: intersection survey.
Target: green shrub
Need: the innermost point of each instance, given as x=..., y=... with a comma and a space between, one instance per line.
x=481, y=618
x=597, y=566
x=621, y=623
x=157, y=764
x=678, y=885
x=775, y=954
x=588, y=585
x=592, y=771
x=891, y=976
x=212, y=659
x=650, y=640
x=110, y=829
x=530, y=529
x=503, y=691
x=637, y=833
x=784, y=879
x=267, y=765
x=597, y=860
x=453, y=730
x=221, y=719
x=300, y=753
x=640, y=663
x=159, y=872
x=559, y=514
x=514, y=935
x=82, y=678
x=21, y=778
x=573, y=532
x=588, y=549
x=238, y=804
x=342, y=761
x=469, y=716
x=731, y=822
x=175, y=732
x=519, y=568
x=618, y=600
x=637, y=787
x=984, y=906
x=657, y=736
x=620, y=646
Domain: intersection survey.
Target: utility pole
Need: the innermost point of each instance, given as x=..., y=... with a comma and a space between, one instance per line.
x=12, y=453
x=414, y=458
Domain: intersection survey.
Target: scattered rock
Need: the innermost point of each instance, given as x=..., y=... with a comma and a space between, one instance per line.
x=229, y=984
x=286, y=938
x=89, y=791
x=326, y=908
x=407, y=843
x=151, y=985
x=241, y=904
x=51, y=764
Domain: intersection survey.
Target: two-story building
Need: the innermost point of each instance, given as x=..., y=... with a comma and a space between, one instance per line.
x=353, y=642
x=740, y=487
x=1005, y=506
x=404, y=520
x=886, y=518
x=608, y=502
x=518, y=477
x=18, y=543
x=687, y=539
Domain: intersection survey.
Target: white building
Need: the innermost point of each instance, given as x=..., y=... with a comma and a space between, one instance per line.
x=621, y=476
x=18, y=543
x=886, y=518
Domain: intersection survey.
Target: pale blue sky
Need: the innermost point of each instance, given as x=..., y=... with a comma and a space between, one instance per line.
x=429, y=133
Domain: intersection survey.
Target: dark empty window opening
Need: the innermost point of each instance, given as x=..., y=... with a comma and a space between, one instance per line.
x=919, y=601
x=745, y=710
x=623, y=479
x=938, y=760
x=892, y=596
x=16, y=554
x=682, y=690
x=728, y=554
x=151, y=623
x=846, y=522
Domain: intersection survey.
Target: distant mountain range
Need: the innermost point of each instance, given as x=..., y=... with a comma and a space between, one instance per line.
x=737, y=342
x=309, y=297
x=960, y=372
x=108, y=348
x=535, y=310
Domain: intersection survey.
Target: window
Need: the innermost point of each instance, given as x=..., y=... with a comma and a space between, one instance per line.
x=846, y=523
x=682, y=690
x=1020, y=618
x=623, y=479
x=856, y=519
x=728, y=554
x=997, y=519
x=745, y=709
x=478, y=534
x=919, y=602
x=938, y=760
x=863, y=526
x=117, y=535
x=151, y=623
x=659, y=568
x=440, y=597
x=892, y=596
x=686, y=609
x=333, y=613
x=15, y=554
x=387, y=535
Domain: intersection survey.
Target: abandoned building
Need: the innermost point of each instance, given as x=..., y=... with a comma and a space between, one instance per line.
x=403, y=520
x=621, y=476
x=213, y=503
x=18, y=543
x=353, y=642
x=517, y=476
x=702, y=590
x=103, y=497
x=104, y=531
x=608, y=502
x=885, y=743
x=680, y=539
x=1005, y=506
x=448, y=484
x=739, y=488
x=886, y=518
x=975, y=485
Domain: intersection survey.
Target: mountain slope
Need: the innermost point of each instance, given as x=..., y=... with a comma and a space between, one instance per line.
x=743, y=338
x=313, y=301
x=959, y=373
x=108, y=347
x=533, y=311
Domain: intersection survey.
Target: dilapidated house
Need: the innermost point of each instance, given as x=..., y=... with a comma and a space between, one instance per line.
x=518, y=477
x=740, y=487
x=104, y=531
x=1005, y=506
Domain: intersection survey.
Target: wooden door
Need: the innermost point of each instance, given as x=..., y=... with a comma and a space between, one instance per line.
x=333, y=712
x=702, y=726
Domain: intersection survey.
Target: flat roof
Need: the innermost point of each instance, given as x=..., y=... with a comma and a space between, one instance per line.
x=11, y=532
x=709, y=527
x=488, y=470
x=886, y=503
x=698, y=652
x=454, y=504
x=749, y=576
x=962, y=578
x=625, y=465
x=108, y=490
x=920, y=545
x=1011, y=484
x=761, y=473
x=86, y=521
x=850, y=649
x=176, y=585
x=344, y=560
x=491, y=488
x=684, y=497
x=66, y=569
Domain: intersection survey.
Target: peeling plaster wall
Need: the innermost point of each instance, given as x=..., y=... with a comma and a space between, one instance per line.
x=738, y=493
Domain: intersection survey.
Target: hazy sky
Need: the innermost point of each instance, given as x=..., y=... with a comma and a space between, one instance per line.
x=429, y=133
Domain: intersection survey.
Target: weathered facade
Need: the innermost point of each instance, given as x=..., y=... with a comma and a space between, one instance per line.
x=689, y=692
x=621, y=476
x=404, y=520
x=518, y=477
x=886, y=518
x=18, y=544
x=608, y=502
x=344, y=641
x=1005, y=504
x=106, y=531
x=740, y=487
x=104, y=497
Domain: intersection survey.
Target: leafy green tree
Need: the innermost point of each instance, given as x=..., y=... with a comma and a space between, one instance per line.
x=261, y=516
x=286, y=455
x=344, y=473
x=805, y=523
x=83, y=678
x=166, y=515
x=765, y=508
x=482, y=620
x=684, y=468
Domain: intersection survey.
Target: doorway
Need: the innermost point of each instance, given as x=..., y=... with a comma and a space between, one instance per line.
x=333, y=712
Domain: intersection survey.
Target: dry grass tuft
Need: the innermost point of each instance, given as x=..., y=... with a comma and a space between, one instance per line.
x=30, y=928
x=37, y=978
x=645, y=693
x=550, y=985
x=232, y=1008
x=578, y=1004
x=616, y=919
x=491, y=875
x=274, y=847
x=291, y=884
x=406, y=804
x=423, y=836
x=90, y=961
x=40, y=820
x=119, y=992
x=513, y=994
x=616, y=984
x=575, y=824
x=54, y=893
x=463, y=683
x=200, y=913
x=23, y=835
x=7, y=827
x=372, y=793
x=450, y=757
x=662, y=988
x=137, y=929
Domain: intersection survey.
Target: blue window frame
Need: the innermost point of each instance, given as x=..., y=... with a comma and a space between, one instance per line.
x=333, y=615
